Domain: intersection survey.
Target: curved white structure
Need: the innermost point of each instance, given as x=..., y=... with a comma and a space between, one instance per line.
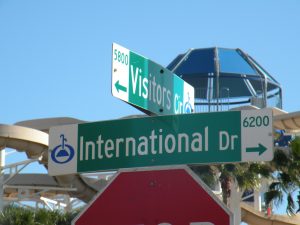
x=45, y=124
x=250, y=216
x=32, y=141
x=288, y=121
x=35, y=144
x=32, y=137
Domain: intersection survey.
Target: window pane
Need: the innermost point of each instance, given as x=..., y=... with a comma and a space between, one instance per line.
x=175, y=62
x=198, y=61
x=235, y=87
x=232, y=62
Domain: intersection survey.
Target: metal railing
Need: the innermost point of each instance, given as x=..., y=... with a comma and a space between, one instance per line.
x=205, y=102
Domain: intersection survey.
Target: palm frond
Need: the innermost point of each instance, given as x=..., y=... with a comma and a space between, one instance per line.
x=274, y=186
x=273, y=195
x=261, y=168
x=281, y=160
x=290, y=209
x=298, y=201
x=295, y=146
x=285, y=178
x=230, y=167
x=207, y=174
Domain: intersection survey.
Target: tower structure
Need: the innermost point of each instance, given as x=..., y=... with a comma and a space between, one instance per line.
x=224, y=78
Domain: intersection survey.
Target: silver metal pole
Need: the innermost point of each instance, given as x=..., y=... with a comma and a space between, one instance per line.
x=217, y=68
x=2, y=164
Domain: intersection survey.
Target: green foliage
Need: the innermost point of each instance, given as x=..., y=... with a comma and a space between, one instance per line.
x=208, y=174
x=283, y=170
x=274, y=193
x=13, y=215
x=298, y=201
x=247, y=175
x=286, y=177
x=295, y=146
x=290, y=204
x=16, y=216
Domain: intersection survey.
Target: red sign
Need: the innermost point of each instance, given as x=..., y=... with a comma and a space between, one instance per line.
x=156, y=197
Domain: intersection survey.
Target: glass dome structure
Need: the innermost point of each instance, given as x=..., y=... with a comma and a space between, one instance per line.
x=225, y=78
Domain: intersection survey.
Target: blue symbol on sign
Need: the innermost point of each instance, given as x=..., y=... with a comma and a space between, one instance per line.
x=188, y=106
x=62, y=153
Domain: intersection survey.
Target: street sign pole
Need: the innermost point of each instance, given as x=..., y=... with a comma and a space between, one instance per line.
x=149, y=86
x=203, y=138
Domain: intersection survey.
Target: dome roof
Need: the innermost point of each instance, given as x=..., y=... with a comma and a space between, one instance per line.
x=218, y=73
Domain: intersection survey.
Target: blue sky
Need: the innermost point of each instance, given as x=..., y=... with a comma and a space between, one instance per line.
x=55, y=56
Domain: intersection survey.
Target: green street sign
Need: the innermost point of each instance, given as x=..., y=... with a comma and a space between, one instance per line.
x=204, y=138
x=147, y=85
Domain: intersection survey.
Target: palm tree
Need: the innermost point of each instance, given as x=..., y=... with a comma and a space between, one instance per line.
x=207, y=173
x=246, y=175
x=286, y=177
